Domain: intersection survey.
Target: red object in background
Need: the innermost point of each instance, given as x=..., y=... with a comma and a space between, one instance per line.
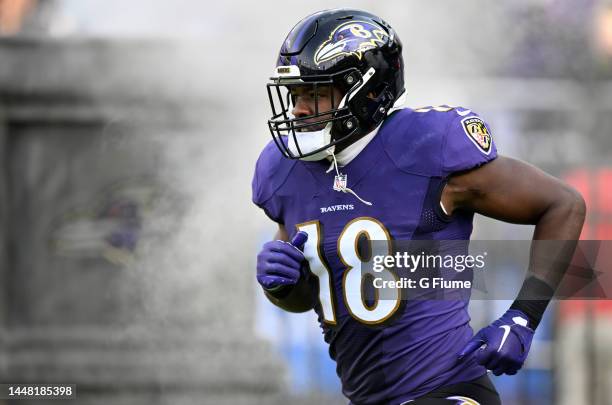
x=603, y=31
x=595, y=185
x=13, y=13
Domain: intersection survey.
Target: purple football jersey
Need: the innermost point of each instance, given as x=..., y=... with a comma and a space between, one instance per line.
x=386, y=351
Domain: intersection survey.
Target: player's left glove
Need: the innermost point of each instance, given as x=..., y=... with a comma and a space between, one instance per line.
x=279, y=263
x=502, y=346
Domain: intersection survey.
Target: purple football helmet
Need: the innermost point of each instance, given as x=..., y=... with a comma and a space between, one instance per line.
x=351, y=50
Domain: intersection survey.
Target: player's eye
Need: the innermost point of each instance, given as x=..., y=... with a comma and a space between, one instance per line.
x=324, y=92
x=301, y=93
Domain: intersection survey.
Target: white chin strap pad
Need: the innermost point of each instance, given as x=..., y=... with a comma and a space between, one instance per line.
x=310, y=141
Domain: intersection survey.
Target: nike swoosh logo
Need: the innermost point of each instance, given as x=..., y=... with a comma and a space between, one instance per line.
x=463, y=113
x=506, y=329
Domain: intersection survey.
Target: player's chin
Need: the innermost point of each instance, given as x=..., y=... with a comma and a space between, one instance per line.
x=312, y=128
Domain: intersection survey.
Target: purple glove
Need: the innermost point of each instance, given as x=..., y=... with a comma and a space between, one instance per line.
x=502, y=346
x=279, y=262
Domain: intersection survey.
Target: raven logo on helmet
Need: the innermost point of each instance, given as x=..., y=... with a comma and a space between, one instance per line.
x=350, y=38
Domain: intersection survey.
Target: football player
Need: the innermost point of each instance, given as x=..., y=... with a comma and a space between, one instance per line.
x=346, y=163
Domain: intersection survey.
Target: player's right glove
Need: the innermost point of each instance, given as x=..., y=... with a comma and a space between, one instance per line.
x=502, y=347
x=279, y=263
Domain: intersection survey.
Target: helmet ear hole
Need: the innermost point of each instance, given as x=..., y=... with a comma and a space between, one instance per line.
x=378, y=90
x=351, y=78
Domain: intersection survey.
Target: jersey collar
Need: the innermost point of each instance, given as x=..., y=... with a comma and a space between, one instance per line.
x=349, y=153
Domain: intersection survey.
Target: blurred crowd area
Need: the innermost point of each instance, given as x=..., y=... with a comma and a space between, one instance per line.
x=540, y=72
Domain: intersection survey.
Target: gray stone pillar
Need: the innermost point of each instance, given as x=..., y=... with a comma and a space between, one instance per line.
x=118, y=207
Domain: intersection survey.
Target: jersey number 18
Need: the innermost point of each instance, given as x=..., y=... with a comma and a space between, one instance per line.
x=353, y=278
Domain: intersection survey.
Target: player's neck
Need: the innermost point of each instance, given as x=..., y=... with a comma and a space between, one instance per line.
x=346, y=153
x=348, y=150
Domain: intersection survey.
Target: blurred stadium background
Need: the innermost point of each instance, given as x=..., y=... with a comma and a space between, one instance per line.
x=128, y=136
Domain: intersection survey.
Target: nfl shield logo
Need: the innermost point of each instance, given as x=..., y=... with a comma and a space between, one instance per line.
x=340, y=182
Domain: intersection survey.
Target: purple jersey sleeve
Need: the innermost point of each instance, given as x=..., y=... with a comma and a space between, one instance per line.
x=271, y=171
x=468, y=143
x=438, y=141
